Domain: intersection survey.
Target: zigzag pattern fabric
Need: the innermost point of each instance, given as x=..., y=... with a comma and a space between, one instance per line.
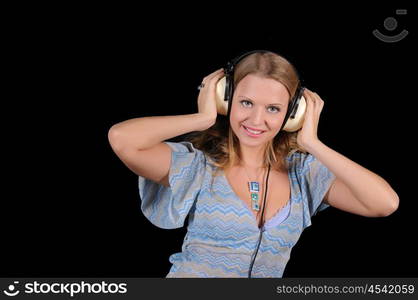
x=222, y=232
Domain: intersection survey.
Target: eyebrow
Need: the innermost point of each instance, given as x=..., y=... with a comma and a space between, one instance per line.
x=267, y=104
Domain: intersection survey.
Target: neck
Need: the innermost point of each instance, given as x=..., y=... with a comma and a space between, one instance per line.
x=251, y=158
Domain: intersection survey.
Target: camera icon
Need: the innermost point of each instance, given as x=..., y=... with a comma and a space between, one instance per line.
x=11, y=289
x=390, y=24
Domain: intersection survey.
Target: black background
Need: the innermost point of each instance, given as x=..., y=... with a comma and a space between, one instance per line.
x=71, y=208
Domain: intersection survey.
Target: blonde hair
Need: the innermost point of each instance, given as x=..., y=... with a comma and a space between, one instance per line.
x=220, y=143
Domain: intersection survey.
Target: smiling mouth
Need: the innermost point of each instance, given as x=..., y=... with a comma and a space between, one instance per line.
x=252, y=132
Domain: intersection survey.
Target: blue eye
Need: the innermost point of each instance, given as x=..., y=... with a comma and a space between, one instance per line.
x=246, y=101
x=276, y=108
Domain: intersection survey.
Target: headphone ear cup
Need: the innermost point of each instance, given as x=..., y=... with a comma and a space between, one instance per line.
x=295, y=124
x=221, y=104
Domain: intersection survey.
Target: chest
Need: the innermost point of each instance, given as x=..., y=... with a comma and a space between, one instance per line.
x=278, y=192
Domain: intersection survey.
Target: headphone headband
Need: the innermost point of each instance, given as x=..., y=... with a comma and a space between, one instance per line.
x=230, y=66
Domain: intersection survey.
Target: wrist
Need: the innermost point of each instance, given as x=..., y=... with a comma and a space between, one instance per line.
x=204, y=121
x=312, y=146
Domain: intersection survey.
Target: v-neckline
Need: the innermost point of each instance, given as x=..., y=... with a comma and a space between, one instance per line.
x=253, y=217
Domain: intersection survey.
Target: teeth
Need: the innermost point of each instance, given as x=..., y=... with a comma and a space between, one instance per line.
x=252, y=131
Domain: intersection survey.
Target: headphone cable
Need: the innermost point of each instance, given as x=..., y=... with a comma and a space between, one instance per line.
x=261, y=229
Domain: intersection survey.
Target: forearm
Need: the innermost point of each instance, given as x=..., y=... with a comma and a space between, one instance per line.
x=143, y=133
x=369, y=188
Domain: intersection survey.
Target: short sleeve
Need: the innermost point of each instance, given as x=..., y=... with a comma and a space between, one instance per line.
x=168, y=207
x=317, y=179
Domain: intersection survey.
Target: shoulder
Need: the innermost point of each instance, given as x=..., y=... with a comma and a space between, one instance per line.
x=299, y=160
x=186, y=154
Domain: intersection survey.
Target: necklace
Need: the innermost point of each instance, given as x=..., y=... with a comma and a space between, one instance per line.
x=254, y=189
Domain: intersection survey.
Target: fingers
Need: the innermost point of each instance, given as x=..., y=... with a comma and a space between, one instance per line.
x=215, y=75
x=313, y=97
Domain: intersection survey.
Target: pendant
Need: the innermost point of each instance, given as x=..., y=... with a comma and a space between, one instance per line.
x=254, y=202
x=254, y=189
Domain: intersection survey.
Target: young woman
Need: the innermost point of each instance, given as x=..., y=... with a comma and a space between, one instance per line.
x=248, y=187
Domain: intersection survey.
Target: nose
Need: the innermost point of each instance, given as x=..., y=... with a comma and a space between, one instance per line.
x=257, y=117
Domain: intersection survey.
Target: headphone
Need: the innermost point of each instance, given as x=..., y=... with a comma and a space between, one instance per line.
x=295, y=114
x=293, y=120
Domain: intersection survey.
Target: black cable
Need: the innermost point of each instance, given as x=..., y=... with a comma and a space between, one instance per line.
x=261, y=231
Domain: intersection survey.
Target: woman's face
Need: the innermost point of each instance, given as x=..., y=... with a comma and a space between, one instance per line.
x=259, y=103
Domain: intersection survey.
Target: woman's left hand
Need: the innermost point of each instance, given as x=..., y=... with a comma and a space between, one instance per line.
x=308, y=134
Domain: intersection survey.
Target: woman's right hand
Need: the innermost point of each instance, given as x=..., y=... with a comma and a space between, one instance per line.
x=206, y=100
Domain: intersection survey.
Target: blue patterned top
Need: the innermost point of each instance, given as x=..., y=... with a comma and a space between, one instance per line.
x=222, y=232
